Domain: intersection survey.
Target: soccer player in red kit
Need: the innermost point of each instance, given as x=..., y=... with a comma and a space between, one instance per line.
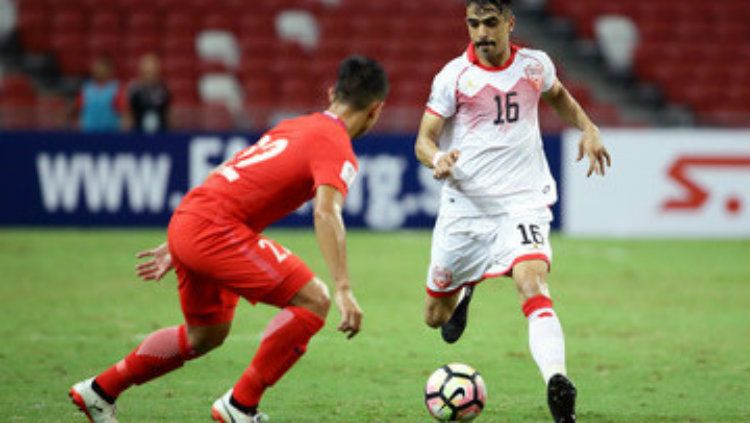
x=216, y=246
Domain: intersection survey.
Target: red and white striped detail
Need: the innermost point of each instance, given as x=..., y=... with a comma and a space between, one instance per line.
x=506, y=272
x=538, y=306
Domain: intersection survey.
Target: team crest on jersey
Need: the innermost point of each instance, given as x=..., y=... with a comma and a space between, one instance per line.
x=442, y=277
x=535, y=74
x=348, y=173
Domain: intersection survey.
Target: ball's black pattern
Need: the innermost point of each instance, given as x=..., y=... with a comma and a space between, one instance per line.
x=446, y=399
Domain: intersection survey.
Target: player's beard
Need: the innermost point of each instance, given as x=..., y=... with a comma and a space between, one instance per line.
x=488, y=49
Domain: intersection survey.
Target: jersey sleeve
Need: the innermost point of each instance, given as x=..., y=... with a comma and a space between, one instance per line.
x=443, y=95
x=334, y=166
x=549, y=74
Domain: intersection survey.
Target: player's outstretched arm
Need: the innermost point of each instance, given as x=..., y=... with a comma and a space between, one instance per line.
x=571, y=112
x=158, y=266
x=331, y=235
x=426, y=147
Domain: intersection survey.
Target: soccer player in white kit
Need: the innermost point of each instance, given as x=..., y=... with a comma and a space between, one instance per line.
x=480, y=135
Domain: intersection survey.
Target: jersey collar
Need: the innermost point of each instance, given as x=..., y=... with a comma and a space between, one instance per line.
x=336, y=119
x=474, y=59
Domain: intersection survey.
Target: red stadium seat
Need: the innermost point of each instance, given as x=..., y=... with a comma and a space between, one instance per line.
x=180, y=24
x=301, y=93
x=252, y=24
x=220, y=21
x=184, y=117
x=184, y=91
x=216, y=117
x=260, y=91
x=399, y=119
x=178, y=66
x=605, y=114
x=412, y=45
x=580, y=92
x=177, y=45
x=17, y=87
x=225, y=7
x=17, y=117
x=69, y=20
x=136, y=6
x=333, y=50
x=33, y=28
x=409, y=93
x=137, y=45
x=171, y=6
x=371, y=47
x=32, y=6
x=334, y=26
x=143, y=23
x=726, y=118
x=105, y=44
x=51, y=113
x=72, y=53
x=252, y=67
x=17, y=100
x=105, y=22
x=211, y=66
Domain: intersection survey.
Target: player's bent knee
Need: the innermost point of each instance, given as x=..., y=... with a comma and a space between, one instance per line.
x=434, y=320
x=314, y=296
x=203, y=339
x=435, y=316
x=323, y=299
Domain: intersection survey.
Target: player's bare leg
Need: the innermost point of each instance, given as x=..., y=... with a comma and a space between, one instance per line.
x=452, y=330
x=546, y=337
x=315, y=297
x=203, y=339
x=160, y=352
x=438, y=310
x=284, y=342
x=449, y=314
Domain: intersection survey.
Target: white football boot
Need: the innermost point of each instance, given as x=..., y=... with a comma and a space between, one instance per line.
x=95, y=407
x=224, y=412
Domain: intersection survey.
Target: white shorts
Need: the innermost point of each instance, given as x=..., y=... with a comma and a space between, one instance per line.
x=467, y=250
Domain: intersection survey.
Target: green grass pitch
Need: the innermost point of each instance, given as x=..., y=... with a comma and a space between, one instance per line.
x=656, y=331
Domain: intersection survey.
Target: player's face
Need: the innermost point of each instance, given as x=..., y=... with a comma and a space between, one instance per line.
x=489, y=30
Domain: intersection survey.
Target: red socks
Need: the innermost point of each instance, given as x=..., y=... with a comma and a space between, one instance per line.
x=284, y=342
x=161, y=352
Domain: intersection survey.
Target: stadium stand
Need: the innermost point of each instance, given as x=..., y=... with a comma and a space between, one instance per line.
x=697, y=52
x=283, y=53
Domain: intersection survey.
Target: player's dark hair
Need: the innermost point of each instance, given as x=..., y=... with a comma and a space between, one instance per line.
x=501, y=5
x=361, y=81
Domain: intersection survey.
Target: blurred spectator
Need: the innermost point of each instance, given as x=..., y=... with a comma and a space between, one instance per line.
x=101, y=100
x=149, y=98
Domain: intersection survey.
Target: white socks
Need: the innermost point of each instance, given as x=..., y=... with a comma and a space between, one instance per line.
x=546, y=340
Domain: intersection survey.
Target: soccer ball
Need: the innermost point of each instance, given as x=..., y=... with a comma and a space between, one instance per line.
x=455, y=393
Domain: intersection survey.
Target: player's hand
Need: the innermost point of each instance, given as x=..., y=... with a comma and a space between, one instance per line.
x=444, y=166
x=158, y=266
x=591, y=146
x=351, y=314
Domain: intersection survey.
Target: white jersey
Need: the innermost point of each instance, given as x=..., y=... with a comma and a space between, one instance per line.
x=492, y=119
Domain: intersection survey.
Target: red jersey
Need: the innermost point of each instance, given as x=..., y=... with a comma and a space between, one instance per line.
x=277, y=175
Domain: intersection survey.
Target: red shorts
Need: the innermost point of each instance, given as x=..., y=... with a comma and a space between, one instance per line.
x=216, y=263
